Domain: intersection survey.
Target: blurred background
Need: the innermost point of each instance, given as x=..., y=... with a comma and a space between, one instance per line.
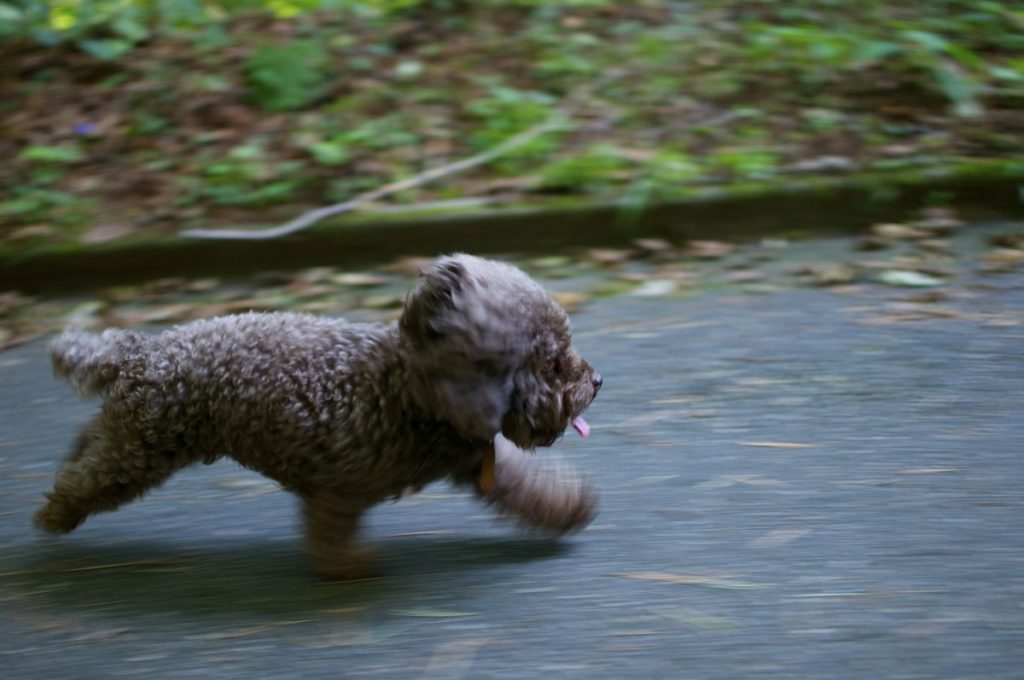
x=128, y=122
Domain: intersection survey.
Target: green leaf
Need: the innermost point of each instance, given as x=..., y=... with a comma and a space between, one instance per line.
x=130, y=29
x=106, y=50
x=53, y=154
x=930, y=41
x=965, y=56
x=10, y=13
x=960, y=89
x=1007, y=74
x=330, y=152
x=876, y=50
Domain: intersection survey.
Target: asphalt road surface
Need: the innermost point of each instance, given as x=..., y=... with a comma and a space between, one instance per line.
x=794, y=485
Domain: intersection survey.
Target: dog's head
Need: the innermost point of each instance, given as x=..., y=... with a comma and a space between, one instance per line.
x=490, y=352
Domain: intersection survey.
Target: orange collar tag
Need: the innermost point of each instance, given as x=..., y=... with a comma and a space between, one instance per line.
x=487, y=470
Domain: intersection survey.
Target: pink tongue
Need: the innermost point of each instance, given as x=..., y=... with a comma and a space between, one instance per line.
x=581, y=426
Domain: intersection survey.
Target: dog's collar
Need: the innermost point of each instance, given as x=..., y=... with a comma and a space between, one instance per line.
x=486, y=479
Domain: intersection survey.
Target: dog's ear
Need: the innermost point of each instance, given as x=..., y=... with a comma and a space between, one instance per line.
x=464, y=341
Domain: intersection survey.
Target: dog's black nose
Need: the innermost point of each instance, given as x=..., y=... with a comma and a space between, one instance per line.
x=597, y=380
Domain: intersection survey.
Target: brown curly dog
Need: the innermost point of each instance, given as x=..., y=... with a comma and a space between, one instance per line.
x=478, y=368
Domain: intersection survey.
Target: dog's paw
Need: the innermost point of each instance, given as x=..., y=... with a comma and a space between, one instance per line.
x=57, y=518
x=351, y=564
x=559, y=505
x=552, y=498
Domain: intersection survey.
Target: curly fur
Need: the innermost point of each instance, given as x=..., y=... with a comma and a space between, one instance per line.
x=344, y=415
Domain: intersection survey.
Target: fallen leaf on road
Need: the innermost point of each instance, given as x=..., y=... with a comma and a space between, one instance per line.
x=778, y=537
x=925, y=471
x=928, y=297
x=723, y=582
x=827, y=274
x=105, y=233
x=939, y=219
x=127, y=565
x=778, y=445
x=359, y=279
x=908, y=279
x=870, y=243
x=716, y=483
x=645, y=419
x=12, y=301
x=655, y=288
x=653, y=245
x=409, y=265
x=744, y=276
x=1002, y=260
x=702, y=622
x=648, y=480
x=609, y=256
x=936, y=245
x=907, y=313
x=571, y=300
x=432, y=613
x=252, y=630
x=240, y=483
x=753, y=480
x=552, y=262
x=899, y=231
x=709, y=250
x=382, y=302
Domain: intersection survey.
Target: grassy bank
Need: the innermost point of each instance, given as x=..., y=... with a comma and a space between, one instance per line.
x=134, y=126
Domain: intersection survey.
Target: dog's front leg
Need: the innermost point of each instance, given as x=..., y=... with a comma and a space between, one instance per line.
x=545, y=496
x=332, y=524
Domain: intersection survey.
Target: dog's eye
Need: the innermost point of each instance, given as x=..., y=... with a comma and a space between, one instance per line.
x=550, y=366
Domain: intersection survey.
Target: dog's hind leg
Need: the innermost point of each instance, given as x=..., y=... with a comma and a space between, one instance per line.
x=332, y=522
x=103, y=471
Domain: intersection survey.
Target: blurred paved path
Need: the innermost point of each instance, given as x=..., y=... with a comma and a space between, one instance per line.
x=788, y=492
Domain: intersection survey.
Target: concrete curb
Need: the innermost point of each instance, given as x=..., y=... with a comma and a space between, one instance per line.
x=816, y=206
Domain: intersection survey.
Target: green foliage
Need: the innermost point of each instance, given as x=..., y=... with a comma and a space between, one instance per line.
x=667, y=173
x=288, y=76
x=505, y=112
x=31, y=202
x=816, y=55
x=669, y=170
x=37, y=197
x=713, y=91
x=576, y=55
x=596, y=167
x=744, y=163
x=331, y=141
x=247, y=175
x=106, y=29
x=951, y=67
x=386, y=132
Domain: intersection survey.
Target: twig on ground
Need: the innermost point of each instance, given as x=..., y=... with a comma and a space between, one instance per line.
x=559, y=118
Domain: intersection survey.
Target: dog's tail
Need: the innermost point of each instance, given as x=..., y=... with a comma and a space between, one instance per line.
x=91, y=361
